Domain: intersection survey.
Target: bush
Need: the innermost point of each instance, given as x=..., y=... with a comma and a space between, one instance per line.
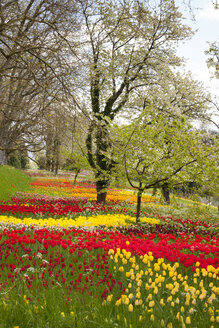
x=18, y=159
x=42, y=162
x=14, y=160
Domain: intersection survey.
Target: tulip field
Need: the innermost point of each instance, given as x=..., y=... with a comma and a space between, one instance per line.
x=67, y=262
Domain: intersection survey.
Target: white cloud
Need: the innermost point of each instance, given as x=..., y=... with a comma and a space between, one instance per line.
x=208, y=12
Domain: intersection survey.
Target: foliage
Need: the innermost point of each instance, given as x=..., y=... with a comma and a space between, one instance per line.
x=213, y=58
x=18, y=159
x=156, y=150
x=41, y=161
x=74, y=158
x=14, y=160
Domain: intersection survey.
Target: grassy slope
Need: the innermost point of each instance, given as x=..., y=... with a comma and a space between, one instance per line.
x=11, y=181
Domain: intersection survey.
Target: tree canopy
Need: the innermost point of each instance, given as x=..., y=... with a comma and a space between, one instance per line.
x=156, y=151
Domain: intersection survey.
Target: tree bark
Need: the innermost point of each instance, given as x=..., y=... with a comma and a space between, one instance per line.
x=98, y=162
x=103, y=164
x=101, y=187
x=56, y=154
x=3, y=157
x=138, y=206
x=76, y=175
x=49, y=150
x=3, y=146
x=166, y=193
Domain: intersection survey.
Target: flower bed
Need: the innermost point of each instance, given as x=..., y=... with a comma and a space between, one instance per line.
x=68, y=189
x=66, y=262
x=124, y=274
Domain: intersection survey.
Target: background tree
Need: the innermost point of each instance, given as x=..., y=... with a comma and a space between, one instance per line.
x=32, y=37
x=63, y=138
x=19, y=158
x=73, y=149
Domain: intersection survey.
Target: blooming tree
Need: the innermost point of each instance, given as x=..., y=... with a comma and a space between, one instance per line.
x=155, y=150
x=126, y=46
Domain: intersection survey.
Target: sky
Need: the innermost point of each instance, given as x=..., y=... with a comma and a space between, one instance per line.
x=207, y=25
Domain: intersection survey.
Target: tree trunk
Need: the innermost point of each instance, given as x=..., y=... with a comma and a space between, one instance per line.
x=56, y=168
x=3, y=157
x=3, y=144
x=76, y=175
x=166, y=193
x=138, y=206
x=101, y=187
x=103, y=164
x=49, y=150
x=56, y=153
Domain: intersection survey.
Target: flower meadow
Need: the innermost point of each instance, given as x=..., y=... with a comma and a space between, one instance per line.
x=67, y=262
x=67, y=189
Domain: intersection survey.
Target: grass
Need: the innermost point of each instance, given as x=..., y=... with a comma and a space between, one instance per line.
x=11, y=181
x=183, y=211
